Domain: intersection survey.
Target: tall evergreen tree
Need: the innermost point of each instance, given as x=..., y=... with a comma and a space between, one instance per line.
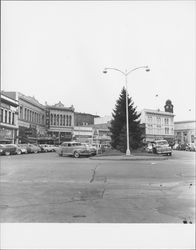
x=118, y=124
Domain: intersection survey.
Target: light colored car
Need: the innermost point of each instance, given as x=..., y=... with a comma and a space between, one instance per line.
x=32, y=148
x=75, y=149
x=46, y=148
x=161, y=147
x=23, y=148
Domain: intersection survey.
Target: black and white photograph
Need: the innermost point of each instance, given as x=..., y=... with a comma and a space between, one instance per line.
x=97, y=124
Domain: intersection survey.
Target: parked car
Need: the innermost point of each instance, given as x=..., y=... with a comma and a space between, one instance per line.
x=75, y=149
x=46, y=148
x=91, y=148
x=23, y=148
x=184, y=146
x=32, y=148
x=8, y=149
x=161, y=147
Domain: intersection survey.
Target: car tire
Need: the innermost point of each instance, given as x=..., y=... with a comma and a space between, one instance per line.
x=7, y=153
x=76, y=154
x=18, y=152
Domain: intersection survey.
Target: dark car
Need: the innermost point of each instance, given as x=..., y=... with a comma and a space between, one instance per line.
x=9, y=149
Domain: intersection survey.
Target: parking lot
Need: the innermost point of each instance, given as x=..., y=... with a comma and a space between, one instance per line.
x=44, y=187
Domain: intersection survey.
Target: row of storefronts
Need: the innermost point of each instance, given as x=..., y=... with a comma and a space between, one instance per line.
x=23, y=119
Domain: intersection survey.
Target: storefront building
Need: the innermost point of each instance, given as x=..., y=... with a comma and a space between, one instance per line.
x=60, y=122
x=8, y=120
x=31, y=117
x=185, y=132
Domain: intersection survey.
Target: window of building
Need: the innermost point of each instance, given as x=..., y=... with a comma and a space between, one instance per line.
x=166, y=121
x=25, y=114
x=51, y=119
x=61, y=121
x=1, y=115
x=67, y=122
x=158, y=119
x=42, y=119
x=54, y=119
x=192, y=138
x=166, y=131
x=21, y=112
x=64, y=120
x=28, y=115
x=150, y=119
x=13, y=118
x=5, y=116
x=57, y=120
x=9, y=119
x=70, y=120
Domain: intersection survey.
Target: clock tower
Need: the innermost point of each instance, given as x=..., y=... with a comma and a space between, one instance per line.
x=169, y=106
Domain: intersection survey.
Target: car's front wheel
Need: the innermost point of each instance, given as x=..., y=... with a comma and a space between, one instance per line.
x=76, y=154
x=18, y=152
x=7, y=153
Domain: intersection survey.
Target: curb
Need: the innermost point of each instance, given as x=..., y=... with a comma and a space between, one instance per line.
x=132, y=158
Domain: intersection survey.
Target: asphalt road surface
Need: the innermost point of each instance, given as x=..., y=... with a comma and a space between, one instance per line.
x=47, y=188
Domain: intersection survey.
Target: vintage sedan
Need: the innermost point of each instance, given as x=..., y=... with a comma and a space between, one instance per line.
x=9, y=149
x=75, y=149
x=32, y=148
x=161, y=147
x=23, y=148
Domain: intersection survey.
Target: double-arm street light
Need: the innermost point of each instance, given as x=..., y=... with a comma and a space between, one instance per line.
x=126, y=73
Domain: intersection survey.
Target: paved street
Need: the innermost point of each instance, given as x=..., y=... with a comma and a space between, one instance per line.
x=47, y=188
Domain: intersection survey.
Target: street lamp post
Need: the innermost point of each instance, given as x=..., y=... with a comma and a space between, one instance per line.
x=126, y=73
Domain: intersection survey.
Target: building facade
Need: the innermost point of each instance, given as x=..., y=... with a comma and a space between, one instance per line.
x=158, y=124
x=60, y=122
x=31, y=117
x=83, y=119
x=8, y=119
x=185, y=132
x=83, y=134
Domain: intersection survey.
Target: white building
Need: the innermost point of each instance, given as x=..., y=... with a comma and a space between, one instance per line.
x=83, y=134
x=8, y=119
x=185, y=131
x=158, y=124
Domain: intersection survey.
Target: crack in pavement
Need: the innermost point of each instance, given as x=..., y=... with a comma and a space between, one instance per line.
x=93, y=174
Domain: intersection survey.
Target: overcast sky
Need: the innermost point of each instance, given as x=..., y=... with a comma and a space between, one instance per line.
x=56, y=51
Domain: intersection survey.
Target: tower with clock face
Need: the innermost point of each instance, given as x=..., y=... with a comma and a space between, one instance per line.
x=169, y=106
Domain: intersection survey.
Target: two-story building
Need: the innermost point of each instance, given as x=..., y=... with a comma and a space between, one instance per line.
x=8, y=119
x=158, y=124
x=60, y=122
x=31, y=117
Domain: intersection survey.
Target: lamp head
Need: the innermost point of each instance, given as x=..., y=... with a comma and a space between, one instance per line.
x=147, y=69
x=105, y=71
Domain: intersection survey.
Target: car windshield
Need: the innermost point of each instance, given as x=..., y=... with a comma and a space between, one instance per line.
x=162, y=143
